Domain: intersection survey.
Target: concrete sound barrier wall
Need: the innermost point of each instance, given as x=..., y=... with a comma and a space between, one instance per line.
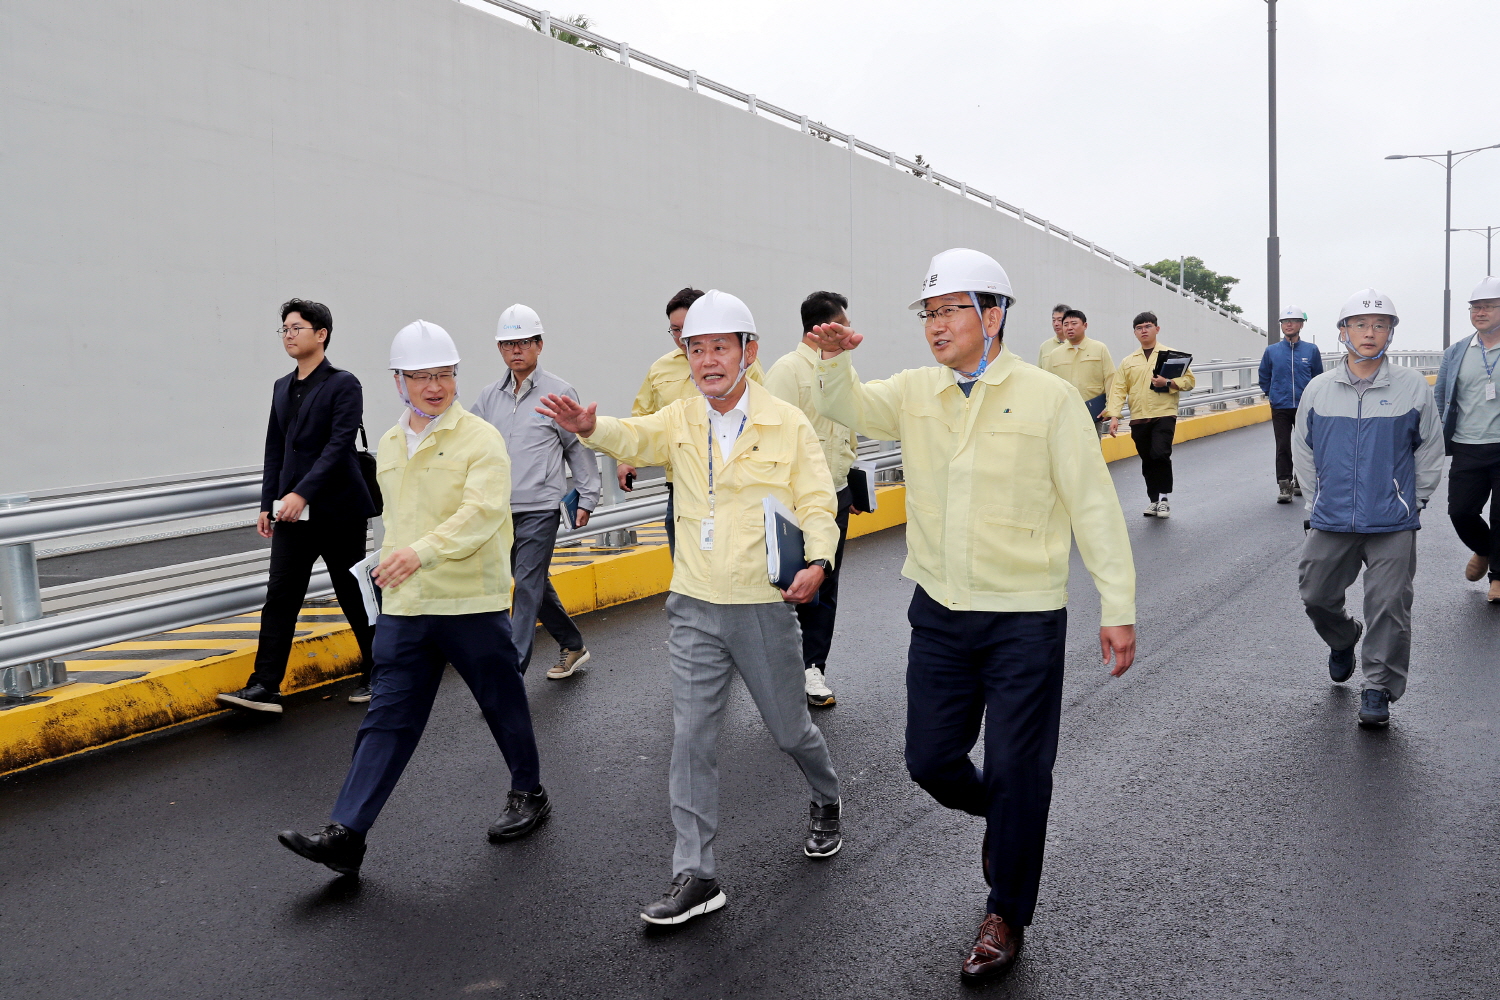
x=173, y=171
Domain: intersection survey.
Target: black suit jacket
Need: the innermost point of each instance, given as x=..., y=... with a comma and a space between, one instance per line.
x=314, y=457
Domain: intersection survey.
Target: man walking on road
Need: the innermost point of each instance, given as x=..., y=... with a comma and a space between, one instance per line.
x=1285, y=369
x=1469, y=404
x=1003, y=473
x=538, y=482
x=791, y=378
x=313, y=502
x=444, y=576
x=1085, y=364
x=669, y=379
x=1048, y=346
x=731, y=450
x=1368, y=447
x=1153, y=411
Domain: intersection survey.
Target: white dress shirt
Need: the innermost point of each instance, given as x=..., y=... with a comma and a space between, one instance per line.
x=727, y=426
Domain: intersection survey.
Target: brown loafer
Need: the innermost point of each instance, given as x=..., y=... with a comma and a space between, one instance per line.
x=994, y=951
x=1495, y=591
x=1478, y=566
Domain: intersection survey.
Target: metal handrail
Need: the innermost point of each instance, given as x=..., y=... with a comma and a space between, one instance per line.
x=79, y=515
x=756, y=106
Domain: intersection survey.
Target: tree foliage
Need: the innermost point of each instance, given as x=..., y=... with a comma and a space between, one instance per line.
x=567, y=37
x=1199, y=280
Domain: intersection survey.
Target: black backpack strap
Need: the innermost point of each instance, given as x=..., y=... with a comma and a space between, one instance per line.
x=364, y=442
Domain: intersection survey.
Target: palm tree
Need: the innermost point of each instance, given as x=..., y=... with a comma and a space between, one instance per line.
x=562, y=35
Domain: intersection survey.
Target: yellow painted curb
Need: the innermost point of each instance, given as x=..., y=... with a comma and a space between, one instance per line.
x=83, y=717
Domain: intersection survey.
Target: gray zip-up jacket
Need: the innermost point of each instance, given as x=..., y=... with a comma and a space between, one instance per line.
x=537, y=446
x=1368, y=461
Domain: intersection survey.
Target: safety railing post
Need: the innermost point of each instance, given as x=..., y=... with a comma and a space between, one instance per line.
x=1247, y=384
x=21, y=601
x=609, y=473
x=1216, y=379
x=547, y=23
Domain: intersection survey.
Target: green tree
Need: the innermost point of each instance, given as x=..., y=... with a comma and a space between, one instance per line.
x=563, y=35
x=1199, y=280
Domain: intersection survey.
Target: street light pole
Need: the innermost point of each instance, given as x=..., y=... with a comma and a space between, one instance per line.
x=1488, y=232
x=1273, y=240
x=1447, y=162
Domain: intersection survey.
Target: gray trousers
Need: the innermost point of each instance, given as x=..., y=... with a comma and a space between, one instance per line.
x=709, y=643
x=530, y=560
x=1331, y=562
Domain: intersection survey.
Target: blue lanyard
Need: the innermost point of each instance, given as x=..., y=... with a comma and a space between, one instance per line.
x=1484, y=358
x=711, y=459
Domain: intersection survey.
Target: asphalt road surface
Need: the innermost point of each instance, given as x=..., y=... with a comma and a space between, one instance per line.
x=1220, y=828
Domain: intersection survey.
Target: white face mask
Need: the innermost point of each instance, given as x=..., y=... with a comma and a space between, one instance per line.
x=406, y=397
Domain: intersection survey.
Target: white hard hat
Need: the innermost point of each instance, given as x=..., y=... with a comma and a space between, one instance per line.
x=1368, y=302
x=962, y=270
x=718, y=312
x=422, y=345
x=1489, y=288
x=1292, y=312
x=519, y=323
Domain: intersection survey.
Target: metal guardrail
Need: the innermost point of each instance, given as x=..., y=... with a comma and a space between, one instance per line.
x=628, y=56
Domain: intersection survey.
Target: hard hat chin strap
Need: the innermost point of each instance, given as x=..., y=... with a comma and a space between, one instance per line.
x=984, y=359
x=1349, y=347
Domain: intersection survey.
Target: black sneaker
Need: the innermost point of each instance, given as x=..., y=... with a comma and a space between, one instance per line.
x=524, y=812
x=823, y=837
x=255, y=697
x=1374, y=707
x=335, y=846
x=360, y=695
x=1341, y=661
x=688, y=896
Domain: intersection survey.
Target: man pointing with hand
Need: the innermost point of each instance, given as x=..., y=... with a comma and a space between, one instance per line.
x=729, y=448
x=1003, y=472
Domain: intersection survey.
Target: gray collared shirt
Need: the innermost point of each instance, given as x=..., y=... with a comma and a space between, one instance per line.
x=1478, y=418
x=537, y=446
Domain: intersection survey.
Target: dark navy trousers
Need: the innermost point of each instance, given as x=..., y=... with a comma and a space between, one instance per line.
x=410, y=654
x=1004, y=669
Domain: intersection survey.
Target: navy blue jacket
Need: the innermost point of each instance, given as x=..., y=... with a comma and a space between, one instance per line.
x=314, y=457
x=1285, y=371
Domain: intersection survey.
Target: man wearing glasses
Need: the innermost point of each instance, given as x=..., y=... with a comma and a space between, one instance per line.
x=1469, y=403
x=1003, y=473
x=444, y=577
x=538, y=482
x=1368, y=450
x=313, y=501
x=669, y=379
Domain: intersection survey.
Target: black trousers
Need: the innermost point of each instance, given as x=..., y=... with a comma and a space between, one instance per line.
x=1004, y=669
x=1153, y=442
x=411, y=652
x=817, y=618
x=1473, y=481
x=295, y=546
x=1282, y=422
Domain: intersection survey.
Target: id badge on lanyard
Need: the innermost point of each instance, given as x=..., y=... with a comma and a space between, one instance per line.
x=706, y=526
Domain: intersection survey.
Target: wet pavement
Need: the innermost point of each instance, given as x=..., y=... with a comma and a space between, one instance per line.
x=1220, y=827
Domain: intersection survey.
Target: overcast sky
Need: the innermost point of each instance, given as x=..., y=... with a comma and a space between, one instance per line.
x=1143, y=126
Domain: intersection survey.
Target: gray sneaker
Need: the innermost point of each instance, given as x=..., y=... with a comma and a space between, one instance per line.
x=1374, y=707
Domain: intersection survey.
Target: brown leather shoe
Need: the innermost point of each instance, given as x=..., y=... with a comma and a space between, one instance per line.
x=994, y=951
x=1478, y=566
x=1495, y=591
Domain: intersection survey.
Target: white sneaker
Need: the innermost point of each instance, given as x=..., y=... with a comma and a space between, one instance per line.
x=1151, y=509
x=818, y=693
x=1163, y=509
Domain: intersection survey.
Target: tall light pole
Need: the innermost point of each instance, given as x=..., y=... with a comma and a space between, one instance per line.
x=1447, y=162
x=1488, y=232
x=1273, y=241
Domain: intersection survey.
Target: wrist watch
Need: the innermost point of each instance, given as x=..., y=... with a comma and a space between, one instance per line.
x=822, y=564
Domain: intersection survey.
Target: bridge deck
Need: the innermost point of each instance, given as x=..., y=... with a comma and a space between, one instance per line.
x=1220, y=825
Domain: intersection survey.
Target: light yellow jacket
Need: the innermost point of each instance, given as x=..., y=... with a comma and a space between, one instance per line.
x=998, y=484
x=1087, y=367
x=450, y=503
x=791, y=378
x=776, y=455
x=1133, y=382
x=1048, y=346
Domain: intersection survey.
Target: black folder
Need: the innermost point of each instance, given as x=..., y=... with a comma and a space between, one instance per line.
x=783, y=544
x=1170, y=365
x=862, y=487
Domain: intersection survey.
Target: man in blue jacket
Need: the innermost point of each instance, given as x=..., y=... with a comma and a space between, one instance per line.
x=313, y=501
x=1285, y=369
x=1469, y=405
x=1368, y=448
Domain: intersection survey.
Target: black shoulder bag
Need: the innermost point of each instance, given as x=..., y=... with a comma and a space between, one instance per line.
x=366, y=462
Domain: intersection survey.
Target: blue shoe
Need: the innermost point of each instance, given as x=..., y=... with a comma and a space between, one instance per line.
x=1341, y=661
x=1374, y=707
